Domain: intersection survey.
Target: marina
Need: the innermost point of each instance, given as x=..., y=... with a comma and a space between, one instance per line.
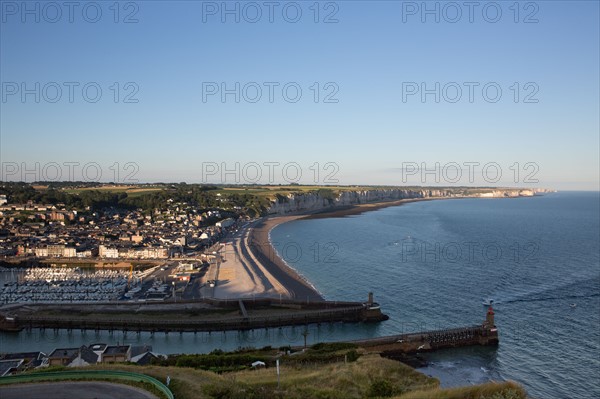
x=66, y=284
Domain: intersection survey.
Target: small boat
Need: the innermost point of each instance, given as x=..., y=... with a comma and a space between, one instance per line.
x=488, y=302
x=573, y=305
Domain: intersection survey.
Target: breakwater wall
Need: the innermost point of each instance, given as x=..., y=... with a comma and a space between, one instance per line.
x=485, y=334
x=200, y=316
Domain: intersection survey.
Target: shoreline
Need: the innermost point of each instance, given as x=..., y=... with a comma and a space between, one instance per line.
x=298, y=286
x=293, y=269
x=260, y=244
x=358, y=209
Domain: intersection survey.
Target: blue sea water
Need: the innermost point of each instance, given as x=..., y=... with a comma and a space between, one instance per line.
x=431, y=263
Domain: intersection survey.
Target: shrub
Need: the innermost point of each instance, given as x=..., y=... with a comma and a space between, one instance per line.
x=217, y=391
x=380, y=388
x=333, y=346
x=352, y=355
x=505, y=394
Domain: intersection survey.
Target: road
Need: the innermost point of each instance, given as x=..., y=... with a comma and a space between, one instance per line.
x=79, y=390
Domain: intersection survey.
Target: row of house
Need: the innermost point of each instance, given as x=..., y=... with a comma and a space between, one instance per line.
x=14, y=363
x=133, y=253
x=40, y=212
x=56, y=251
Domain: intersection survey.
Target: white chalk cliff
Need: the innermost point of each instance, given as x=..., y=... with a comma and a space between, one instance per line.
x=314, y=201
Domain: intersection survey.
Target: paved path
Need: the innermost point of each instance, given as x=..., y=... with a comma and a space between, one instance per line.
x=79, y=390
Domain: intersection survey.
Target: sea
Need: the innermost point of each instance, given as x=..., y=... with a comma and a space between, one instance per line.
x=431, y=265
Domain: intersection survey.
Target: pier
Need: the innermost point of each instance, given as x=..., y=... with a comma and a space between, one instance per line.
x=206, y=315
x=216, y=315
x=485, y=334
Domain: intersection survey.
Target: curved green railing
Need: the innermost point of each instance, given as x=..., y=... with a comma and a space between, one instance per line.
x=87, y=375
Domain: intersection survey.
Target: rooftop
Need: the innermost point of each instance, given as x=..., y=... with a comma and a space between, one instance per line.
x=64, y=352
x=98, y=347
x=22, y=355
x=7, y=365
x=116, y=349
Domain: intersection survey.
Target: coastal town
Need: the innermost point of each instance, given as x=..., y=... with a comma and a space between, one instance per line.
x=152, y=260
x=58, y=231
x=300, y=199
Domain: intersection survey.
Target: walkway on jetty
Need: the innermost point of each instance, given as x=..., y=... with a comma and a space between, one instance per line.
x=484, y=334
x=192, y=316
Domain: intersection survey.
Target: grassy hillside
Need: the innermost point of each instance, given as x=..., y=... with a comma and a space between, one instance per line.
x=368, y=377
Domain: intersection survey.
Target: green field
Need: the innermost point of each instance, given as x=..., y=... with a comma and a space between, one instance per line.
x=132, y=191
x=265, y=191
x=262, y=190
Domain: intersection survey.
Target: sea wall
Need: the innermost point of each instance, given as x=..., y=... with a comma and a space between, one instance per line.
x=315, y=201
x=185, y=316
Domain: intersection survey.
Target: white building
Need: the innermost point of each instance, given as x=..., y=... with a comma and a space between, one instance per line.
x=106, y=252
x=225, y=222
x=41, y=252
x=69, y=252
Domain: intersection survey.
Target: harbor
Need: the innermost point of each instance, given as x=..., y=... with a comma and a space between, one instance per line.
x=70, y=284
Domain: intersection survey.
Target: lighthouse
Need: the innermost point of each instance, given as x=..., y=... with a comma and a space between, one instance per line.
x=489, y=319
x=489, y=331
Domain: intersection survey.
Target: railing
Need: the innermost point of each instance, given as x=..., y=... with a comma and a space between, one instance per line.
x=436, y=336
x=87, y=375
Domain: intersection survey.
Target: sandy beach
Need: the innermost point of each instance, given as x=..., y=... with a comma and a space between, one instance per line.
x=251, y=267
x=241, y=274
x=297, y=287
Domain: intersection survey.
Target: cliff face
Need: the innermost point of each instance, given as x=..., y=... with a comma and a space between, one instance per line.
x=298, y=202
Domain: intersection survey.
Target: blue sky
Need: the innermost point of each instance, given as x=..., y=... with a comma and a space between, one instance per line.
x=371, y=57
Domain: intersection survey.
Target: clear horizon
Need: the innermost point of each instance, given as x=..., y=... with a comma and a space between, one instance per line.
x=346, y=92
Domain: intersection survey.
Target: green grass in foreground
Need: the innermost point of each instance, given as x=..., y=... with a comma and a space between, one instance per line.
x=369, y=377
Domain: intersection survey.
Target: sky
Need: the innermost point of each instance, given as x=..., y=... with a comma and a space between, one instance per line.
x=334, y=92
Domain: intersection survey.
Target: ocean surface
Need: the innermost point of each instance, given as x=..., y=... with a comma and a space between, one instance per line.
x=430, y=264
